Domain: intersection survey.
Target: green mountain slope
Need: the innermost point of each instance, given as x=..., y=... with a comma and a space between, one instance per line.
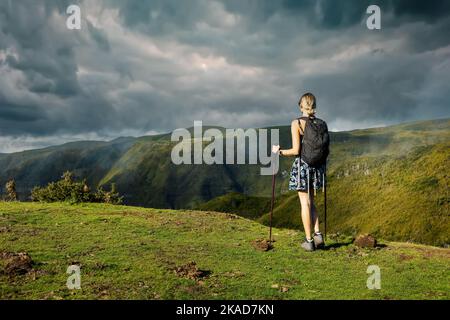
x=134, y=253
x=87, y=159
x=146, y=175
x=143, y=171
x=390, y=191
x=147, y=166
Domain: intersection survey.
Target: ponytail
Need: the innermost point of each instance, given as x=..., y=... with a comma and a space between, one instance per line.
x=307, y=103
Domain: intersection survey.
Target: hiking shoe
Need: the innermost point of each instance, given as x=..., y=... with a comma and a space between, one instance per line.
x=318, y=240
x=308, y=246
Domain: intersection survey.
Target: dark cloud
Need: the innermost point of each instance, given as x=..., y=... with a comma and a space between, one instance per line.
x=152, y=66
x=18, y=114
x=99, y=36
x=430, y=11
x=161, y=16
x=378, y=89
x=44, y=56
x=334, y=14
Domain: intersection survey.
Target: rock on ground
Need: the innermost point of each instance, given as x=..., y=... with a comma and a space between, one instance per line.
x=365, y=241
x=17, y=263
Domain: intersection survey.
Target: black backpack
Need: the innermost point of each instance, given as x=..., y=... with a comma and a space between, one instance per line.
x=315, y=143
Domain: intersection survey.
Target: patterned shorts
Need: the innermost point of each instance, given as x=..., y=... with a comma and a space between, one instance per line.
x=304, y=178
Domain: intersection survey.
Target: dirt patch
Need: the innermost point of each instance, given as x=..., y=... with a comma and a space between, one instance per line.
x=194, y=290
x=31, y=232
x=35, y=274
x=427, y=252
x=17, y=263
x=405, y=257
x=191, y=271
x=435, y=253
x=436, y=294
x=365, y=241
x=102, y=291
x=262, y=244
x=4, y=229
x=354, y=252
x=234, y=274
x=280, y=288
x=52, y=296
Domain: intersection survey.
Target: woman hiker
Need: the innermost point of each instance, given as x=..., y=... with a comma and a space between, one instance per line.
x=308, y=169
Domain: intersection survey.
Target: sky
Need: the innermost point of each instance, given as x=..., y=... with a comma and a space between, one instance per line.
x=144, y=67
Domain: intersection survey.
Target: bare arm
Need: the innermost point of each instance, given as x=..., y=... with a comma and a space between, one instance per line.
x=295, y=150
x=295, y=133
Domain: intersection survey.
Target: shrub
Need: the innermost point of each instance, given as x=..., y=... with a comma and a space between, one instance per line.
x=70, y=190
x=11, y=190
x=111, y=197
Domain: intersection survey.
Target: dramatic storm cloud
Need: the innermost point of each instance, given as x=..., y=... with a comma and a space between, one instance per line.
x=138, y=67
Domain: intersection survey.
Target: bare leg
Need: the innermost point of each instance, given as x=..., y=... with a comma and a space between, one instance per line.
x=306, y=203
x=315, y=219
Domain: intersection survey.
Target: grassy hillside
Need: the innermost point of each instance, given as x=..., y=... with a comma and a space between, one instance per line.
x=246, y=206
x=390, y=181
x=134, y=253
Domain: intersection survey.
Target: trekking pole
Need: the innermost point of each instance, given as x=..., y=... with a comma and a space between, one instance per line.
x=325, y=204
x=272, y=203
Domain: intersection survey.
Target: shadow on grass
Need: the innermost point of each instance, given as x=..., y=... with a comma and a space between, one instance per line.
x=346, y=244
x=337, y=245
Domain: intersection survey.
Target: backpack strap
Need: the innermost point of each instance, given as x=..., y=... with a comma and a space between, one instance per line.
x=300, y=126
x=306, y=120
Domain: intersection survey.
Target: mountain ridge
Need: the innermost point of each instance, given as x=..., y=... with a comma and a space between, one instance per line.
x=190, y=129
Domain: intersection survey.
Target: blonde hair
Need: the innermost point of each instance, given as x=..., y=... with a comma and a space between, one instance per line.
x=307, y=104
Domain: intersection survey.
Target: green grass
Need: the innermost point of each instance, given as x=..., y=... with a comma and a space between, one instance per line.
x=130, y=253
x=233, y=202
